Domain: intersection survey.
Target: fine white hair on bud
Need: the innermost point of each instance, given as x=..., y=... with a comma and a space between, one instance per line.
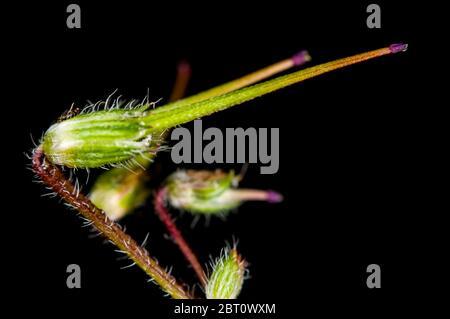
x=201, y=191
x=211, y=192
x=227, y=276
x=98, y=138
x=118, y=191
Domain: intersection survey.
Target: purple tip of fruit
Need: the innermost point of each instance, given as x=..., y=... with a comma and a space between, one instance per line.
x=301, y=57
x=274, y=197
x=398, y=47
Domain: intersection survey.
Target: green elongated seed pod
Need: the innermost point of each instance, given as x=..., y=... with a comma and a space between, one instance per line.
x=227, y=276
x=110, y=137
x=181, y=113
x=97, y=139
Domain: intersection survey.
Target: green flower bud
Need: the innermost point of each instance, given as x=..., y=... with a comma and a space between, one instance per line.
x=211, y=192
x=227, y=276
x=118, y=191
x=98, y=138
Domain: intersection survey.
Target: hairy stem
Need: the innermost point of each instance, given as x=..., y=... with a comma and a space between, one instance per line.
x=54, y=178
x=164, y=215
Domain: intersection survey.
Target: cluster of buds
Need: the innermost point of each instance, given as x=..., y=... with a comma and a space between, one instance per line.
x=116, y=136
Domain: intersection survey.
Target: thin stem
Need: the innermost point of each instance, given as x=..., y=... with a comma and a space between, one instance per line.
x=296, y=60
x=164, y=216
x=53, y=177
x=184, y=74
x=181, y=81
x=159, y=120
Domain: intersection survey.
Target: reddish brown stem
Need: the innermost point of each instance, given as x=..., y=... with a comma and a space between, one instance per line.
x=53, y=177
x=181, y=81
x=176, y=235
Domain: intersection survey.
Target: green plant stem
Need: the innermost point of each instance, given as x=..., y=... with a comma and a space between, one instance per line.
x=53, y=177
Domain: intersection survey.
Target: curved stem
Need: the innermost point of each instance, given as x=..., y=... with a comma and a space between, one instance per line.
x=53, y=177
x=176, y=235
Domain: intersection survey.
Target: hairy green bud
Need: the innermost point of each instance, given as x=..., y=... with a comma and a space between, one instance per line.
x=201, y=191
x=118, y=191
x=211, y=192
x=98, y=138
x=227, y=276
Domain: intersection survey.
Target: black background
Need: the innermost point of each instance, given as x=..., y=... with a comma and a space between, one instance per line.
x=346, y=146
